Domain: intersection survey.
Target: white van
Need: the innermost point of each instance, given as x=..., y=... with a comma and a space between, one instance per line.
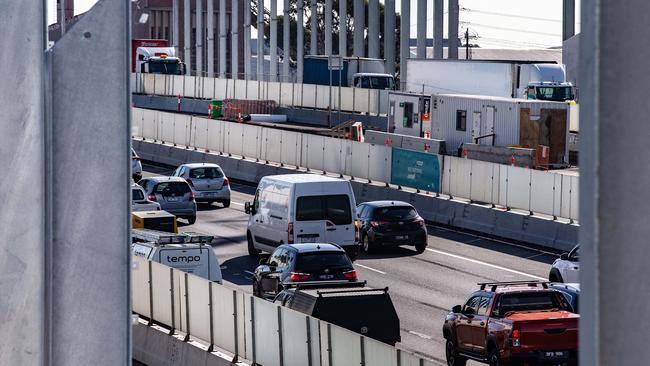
x=188, y=252
x=302, y=208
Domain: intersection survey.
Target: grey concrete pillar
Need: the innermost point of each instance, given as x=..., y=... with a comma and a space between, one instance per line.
x=286, y=42
x=389, y=36
x=452, y=32
x=359, y=27
x=373, y=29
x=343, y=28
x=313, y=40
x=328, y=27
x=438, y=28
x=568, y=19
x=422, y=29
x=210, y=37
x=300, y=41
x=223, y=39
x=187, y=31
x=404, y=51
x=614, y=194
x=175, y=26
x=62, y=17
x=199, y=37
x=260, y=39
x=234, y=44
x=274, y=41
x=247, y=40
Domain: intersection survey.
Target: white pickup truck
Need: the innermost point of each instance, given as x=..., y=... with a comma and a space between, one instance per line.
x=139, y=201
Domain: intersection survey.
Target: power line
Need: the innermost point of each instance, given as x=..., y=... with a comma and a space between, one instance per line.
x=511, y=29
x=510, y=15
x=499, y=41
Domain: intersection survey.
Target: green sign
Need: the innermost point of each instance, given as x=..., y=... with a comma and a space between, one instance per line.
x=416, y=170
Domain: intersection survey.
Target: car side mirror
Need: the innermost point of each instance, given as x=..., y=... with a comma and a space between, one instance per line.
x=264, y=259
x=469, y=311
x=457, y=309
x=564, y=256
x=247, y=208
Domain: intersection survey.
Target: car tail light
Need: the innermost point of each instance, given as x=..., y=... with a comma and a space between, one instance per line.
x=357, y=238
x=297, y=277
x=192, y=196
x=189, y=181
x=290, y=233
x=419, y=221
x=515, y=337
x=152, y=197
x=226, y=182
x=351, y=275
x=377, y=223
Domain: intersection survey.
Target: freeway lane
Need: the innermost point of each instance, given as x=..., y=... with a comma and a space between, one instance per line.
x=423, y=287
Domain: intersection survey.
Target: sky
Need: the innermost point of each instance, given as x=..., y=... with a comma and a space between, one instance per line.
x=495, y=23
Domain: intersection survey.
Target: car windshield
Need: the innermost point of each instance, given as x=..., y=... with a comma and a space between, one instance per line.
x=335, y=208
x=137, y=194
x=381, y=82
x=395, y=213
x=536, y=301
x=319, y=260
x=556, y=93
x=164, y=67
x=169, y=188
x=206, y=173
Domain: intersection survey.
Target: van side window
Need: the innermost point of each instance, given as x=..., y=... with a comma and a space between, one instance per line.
x=256, y=200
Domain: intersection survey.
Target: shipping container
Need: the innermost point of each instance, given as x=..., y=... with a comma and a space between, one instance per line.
x=409, y=114
x=459, y=119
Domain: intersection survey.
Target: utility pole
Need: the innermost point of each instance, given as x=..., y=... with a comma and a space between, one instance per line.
x=467, y=44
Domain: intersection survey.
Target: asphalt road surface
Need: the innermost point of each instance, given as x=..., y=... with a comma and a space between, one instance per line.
x=423, y=287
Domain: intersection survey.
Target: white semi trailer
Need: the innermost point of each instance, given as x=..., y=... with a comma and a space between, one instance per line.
x=542, y=81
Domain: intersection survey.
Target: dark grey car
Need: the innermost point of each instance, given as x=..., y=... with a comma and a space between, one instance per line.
x=173, y=194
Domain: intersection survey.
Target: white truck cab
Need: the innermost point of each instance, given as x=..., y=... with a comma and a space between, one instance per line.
x=373, y=80
x=188, y=252
x=302, y=208
x=158, y=60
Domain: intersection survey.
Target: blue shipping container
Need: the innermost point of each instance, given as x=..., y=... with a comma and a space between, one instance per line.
x=316, y=72
x=416, y=170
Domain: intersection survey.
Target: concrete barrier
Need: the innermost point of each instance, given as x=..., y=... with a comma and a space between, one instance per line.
x=500, y=155
x=435, y=209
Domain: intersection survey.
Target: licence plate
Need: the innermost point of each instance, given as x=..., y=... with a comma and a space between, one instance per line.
x=172, y=199
x=401, y=237
x=326, y=277
x=554, y=354
x=208, y=194
x=308, y=239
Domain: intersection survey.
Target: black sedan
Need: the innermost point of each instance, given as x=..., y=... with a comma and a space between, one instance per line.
x=294, y=264
x=390, y=223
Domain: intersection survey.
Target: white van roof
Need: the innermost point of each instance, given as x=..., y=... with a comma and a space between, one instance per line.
x=301, y=178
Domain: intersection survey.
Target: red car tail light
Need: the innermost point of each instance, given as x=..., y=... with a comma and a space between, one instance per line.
x=290, y=233
x=152, y=197
x=351, y=275
x=297, y=277
x=377, y=223
x=192, y=196
x=420, y=221
x=226, y=182
x=515, y=337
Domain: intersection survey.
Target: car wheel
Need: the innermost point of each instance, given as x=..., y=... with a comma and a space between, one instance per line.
x=226, y=203
x=191, y=220
x=493, y=357
x=420, y=248
x=555, y=276
x=453, y=358
x=251, y=246
x=366, y=245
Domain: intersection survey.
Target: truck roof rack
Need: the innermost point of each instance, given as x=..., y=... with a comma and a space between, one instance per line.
x=494, y=285
x=165, y=238
x=321, y=293
x=323, y=284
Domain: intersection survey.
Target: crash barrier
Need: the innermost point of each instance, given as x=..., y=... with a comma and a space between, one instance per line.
x=431, y=146
x=550, y=193
x=249, y=327
x=360, y=100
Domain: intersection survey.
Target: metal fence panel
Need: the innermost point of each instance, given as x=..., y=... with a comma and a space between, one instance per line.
x=414, y=169
x=223, y=314
x=234, y=138
x=408, y=359
x=347, y=99
x=291, y=148
x=272, y=140
x=346, y=156
x=542, y=192
x=373, y=101
x=359, y=158
x=161, y=293
x=379, y=162
x=167, y=126
x=325, y=347
x=286, y=94
x=199, y=133
x=322, y=97
x=140, y=286
x=379, y=353
x=518, y=194
x=483, y=182
x=179, y=309
x=345, y=346
x=182, y=129
x=219, y=89
x=189, y=89
x=446, y=180
x=308, y=95
x=148, y=81
x=294, y=331
x=243, y=323
x=267, y=344
x=273, y=91
x=253, y=90
x=137, y=120
x=240, y=89
x=214, y=129
x=178, y=85
x=198, y=298
x=361, y=99
x=565, y=208
x=207, y=90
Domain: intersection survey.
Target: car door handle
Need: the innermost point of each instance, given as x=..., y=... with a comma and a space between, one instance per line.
x=469, y=322
x=482, y=323
x=331, y=229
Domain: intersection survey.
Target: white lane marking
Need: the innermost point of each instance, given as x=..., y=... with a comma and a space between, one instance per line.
x=237, y=203
x=421, y=335
x=486, y=264
x=370, y=268
x=250, y=273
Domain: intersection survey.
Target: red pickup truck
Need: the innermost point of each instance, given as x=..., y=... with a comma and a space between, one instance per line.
x=512, y=323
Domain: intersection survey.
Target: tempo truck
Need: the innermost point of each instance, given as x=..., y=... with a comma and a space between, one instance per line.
x=153, y=56
x=507, y=79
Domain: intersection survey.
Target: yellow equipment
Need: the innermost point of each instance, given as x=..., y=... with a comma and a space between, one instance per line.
x=154, y=220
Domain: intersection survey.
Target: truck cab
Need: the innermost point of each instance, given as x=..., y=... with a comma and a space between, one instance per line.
x=158, y=60
x=520, y=322
x=371, y=80
x=557, y=92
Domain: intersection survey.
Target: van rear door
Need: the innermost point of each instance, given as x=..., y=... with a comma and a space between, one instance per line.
x=324, y=218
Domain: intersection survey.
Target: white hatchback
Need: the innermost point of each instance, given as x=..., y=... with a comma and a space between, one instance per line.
x=566, y=268
x=208, y=182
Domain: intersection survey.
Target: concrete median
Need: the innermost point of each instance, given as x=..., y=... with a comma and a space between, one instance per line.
x=510, y=225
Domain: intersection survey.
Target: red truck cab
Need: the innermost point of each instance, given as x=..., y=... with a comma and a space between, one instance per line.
x=512, y=323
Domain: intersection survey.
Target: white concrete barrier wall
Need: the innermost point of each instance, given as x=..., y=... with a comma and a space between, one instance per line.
x=548, y=193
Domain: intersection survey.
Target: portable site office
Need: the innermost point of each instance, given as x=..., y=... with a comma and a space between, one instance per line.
x=497, y=121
